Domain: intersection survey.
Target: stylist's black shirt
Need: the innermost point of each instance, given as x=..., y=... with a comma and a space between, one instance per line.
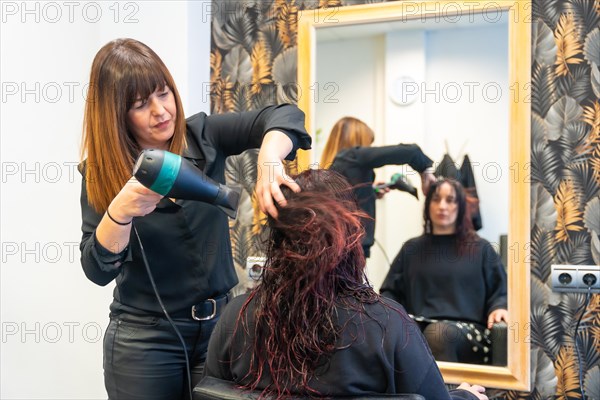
x=186, y=242
x=357, y=163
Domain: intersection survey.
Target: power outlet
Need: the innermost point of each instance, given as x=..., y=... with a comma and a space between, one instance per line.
x=589, y=275
x=576, y=278
x=254, y=267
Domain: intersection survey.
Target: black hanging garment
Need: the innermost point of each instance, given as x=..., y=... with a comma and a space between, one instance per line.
x=467, y=179
x=447, y=168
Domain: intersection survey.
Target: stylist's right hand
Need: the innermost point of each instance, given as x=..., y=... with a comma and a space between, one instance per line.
x=134, y=200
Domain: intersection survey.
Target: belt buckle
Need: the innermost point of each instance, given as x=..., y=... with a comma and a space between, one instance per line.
x=214, y=312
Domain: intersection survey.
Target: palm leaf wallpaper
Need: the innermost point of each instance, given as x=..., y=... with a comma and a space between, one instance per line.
x=253, y=64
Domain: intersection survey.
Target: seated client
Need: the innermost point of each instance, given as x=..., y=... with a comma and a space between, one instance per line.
x=314, y=326
x=450, y=280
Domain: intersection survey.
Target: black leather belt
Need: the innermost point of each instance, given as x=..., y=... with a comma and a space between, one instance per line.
x=210, y=308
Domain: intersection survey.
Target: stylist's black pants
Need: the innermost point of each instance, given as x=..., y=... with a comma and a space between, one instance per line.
x=144, y=358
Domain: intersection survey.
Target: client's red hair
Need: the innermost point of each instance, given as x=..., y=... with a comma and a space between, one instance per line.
x=315, y=262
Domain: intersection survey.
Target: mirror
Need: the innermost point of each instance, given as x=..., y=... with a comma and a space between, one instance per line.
x=453, y=78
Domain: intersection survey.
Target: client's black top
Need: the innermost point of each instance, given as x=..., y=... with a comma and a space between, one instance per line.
x=186, y=242
x=430, y=278
x=357, y=163
x=380, y=351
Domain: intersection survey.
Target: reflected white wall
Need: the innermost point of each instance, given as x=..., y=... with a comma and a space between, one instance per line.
x=462, y=99
x=348, y=83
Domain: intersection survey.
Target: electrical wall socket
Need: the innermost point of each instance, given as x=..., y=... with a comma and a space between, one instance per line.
x=254, y=266
x=570, y=278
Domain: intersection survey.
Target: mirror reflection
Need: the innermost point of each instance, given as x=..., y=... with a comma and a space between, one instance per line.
x=441, y=83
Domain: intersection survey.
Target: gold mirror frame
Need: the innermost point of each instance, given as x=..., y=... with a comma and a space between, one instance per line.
x=516, y=375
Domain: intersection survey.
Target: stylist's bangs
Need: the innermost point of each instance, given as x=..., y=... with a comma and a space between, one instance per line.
x=145, y=77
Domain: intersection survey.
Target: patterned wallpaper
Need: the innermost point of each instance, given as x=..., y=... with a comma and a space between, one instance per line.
x=253, y=64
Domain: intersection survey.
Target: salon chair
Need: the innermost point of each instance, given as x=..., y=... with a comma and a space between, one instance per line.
x=499, y=337
x=499, y=330
x=210, y=388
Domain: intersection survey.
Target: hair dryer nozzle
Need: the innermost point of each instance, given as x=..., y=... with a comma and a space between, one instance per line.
x=228, y=199
x=399, y=182
x=171, y=175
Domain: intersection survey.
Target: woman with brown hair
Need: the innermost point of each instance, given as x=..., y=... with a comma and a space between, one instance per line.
x=133, y=104
x=349, y=152
x=314, y=326
x=450, y=280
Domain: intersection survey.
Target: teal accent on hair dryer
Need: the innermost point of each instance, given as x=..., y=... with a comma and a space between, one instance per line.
x=173, y=176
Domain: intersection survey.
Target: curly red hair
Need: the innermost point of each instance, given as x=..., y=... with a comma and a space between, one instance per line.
x=315, y=262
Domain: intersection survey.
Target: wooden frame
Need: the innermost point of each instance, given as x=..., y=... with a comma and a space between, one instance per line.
x=516, y=375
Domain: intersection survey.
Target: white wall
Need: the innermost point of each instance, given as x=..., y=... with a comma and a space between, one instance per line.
x=355, y=68
x=344, y=89
x=399, y=212
x=477, y=122
x=445, y=63
x=462, y=102
x=52, y=317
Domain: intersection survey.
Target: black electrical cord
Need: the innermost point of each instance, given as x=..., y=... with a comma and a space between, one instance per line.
x=587, y=302
x=162, y=306
x=384, y=253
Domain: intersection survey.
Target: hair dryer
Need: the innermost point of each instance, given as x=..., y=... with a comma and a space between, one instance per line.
x=399, y=182
x=171, y=175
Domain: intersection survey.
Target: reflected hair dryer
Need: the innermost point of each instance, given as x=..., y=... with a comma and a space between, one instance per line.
x=399, y=182
x=171, y=175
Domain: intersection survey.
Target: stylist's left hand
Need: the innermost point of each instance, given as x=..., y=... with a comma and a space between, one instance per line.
x=271, y=173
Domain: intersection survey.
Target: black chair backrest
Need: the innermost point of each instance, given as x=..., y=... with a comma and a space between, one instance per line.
x=210, y=388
